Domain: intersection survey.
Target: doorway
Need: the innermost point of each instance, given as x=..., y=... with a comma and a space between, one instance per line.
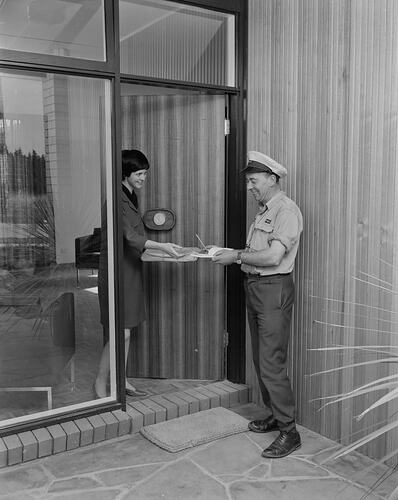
x=183, y=135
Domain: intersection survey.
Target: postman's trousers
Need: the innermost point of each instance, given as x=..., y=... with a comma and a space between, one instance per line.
x=269, y=302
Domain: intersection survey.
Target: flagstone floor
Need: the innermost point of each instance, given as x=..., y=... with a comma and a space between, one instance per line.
x=228, y=469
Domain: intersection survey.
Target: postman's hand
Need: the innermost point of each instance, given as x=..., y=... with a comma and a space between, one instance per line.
x=225, y=257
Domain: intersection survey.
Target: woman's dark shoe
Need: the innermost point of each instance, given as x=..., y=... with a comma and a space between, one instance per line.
x=283, y=445
x=135, y=393
x=263, y=425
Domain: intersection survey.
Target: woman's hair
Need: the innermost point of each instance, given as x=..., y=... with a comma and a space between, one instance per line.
x=132, y=161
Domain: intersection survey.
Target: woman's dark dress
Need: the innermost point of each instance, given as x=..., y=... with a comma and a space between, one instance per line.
x=133, y=245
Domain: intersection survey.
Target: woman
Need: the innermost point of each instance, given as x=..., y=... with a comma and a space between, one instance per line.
x=134, y=171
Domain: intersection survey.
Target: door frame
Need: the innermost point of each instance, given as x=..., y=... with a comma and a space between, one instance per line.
x=199, y=333
x=235, y=190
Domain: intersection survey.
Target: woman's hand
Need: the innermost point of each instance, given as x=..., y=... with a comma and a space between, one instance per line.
x=170, y=248
x=225, y=257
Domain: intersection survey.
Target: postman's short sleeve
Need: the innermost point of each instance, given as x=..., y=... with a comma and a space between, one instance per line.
x=287, y=228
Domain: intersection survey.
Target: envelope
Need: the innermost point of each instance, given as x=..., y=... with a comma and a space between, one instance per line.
x=210, y=252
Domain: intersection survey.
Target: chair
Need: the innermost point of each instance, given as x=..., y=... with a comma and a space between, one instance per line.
x=87, y=252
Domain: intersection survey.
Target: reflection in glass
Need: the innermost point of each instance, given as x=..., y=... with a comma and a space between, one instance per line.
x=57, y=27
x=53, y=153
x=162, y=39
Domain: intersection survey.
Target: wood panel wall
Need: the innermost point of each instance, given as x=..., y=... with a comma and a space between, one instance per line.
x=183, y=137
x=323, y=101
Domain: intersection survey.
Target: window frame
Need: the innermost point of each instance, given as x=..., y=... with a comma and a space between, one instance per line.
x=65, y=414
x=51, y=61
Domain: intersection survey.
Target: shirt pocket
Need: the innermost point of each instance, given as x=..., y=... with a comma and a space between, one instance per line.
x=265, y=226
x=262, y=235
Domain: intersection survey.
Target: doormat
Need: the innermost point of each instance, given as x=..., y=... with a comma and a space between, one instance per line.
x=192, y=430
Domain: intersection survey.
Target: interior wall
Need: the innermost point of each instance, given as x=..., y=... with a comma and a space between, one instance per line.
x=72, y=111
x=323, y=102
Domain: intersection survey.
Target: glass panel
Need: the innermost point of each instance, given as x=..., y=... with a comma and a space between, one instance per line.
x=58, y=27
x=54, y=150
x=168, y=40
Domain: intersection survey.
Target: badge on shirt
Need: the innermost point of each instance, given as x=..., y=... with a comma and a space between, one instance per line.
x=268, y=221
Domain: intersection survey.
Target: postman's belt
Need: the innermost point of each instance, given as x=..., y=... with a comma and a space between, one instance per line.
x=258, y=276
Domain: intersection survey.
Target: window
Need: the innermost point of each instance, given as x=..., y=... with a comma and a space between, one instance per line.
x=56, y=27
x=54, y=150
x=160, y=39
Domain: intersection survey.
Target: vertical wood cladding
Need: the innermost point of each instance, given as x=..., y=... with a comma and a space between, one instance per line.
x=323, y=101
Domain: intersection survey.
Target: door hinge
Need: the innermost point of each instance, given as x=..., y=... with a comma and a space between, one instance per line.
x=227, y=127
x=226, y=339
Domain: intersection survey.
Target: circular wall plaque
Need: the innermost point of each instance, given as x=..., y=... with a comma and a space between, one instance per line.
x=159, y=219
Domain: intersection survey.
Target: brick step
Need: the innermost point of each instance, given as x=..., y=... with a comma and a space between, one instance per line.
x=155, y=409
x=30, y=445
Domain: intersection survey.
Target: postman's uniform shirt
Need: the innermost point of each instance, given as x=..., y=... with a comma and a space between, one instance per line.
x=269, y=294
x=280, y=219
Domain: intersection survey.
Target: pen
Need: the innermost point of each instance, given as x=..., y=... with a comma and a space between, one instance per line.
x=201, y=242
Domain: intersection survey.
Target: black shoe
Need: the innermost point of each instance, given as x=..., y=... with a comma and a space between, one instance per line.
x=135, y=393
x=263, y=425
x=283, y=445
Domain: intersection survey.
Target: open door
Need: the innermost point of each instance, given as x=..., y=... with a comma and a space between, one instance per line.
x=183, y=138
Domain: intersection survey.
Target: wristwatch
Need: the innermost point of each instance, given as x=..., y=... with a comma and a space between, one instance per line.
x=239, y=258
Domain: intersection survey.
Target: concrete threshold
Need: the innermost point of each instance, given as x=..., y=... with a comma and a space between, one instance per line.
x=54, y=439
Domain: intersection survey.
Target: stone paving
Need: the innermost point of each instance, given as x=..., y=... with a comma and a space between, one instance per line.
x=228, y=469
